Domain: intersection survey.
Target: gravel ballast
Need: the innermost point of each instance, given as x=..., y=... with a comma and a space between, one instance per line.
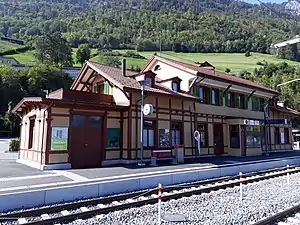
x=260, y=200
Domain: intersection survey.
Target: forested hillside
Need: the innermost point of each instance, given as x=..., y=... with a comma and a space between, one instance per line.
x=179, y=25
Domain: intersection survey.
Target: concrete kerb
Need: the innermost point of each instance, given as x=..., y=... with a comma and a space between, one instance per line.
x=83, y=190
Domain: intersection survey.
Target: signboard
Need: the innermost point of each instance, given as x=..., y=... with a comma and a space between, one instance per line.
x=59, y=139
x=285, y=121
x=251, y=122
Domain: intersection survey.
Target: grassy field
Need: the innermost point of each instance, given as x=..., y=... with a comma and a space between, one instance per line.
x=236, y=62
x=6, y=46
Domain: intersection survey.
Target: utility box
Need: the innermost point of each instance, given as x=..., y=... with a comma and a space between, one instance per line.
x=179, y=154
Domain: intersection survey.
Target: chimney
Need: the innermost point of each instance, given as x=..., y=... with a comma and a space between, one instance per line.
x=124, y=67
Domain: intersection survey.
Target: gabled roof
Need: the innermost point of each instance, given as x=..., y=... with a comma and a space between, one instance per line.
x=128, y=84
x=212, y=74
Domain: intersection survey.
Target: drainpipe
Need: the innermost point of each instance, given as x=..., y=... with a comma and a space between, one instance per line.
x=44, y=131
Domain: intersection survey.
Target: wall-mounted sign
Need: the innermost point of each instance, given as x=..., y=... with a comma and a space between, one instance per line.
x=285, y=121
x=59, y=139
x=251, y=122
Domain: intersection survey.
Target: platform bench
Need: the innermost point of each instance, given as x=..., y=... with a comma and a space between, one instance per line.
x=160, y=155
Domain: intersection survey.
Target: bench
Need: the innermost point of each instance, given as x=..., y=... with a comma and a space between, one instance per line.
x=160, y=154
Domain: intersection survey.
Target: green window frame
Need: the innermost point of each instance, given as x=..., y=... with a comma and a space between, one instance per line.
x=106, y=88
x=245, y=101
x=95, y=89
x=255, y=103
x=237, y=100
x=221, y=98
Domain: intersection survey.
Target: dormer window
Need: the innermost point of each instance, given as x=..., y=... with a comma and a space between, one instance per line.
x=148, y=81
x=175, y=86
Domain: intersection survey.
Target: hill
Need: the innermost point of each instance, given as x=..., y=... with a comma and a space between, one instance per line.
x=180, y=25
x=236, y=62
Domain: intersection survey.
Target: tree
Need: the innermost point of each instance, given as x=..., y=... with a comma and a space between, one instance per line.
x=83, y=53
x=53, y=49
x=110, y=60
x=227, y=70
x=247, y=54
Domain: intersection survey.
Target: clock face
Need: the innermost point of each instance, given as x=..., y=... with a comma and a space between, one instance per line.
x=148, y=109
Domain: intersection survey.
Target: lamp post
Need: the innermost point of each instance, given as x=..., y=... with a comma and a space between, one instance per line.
x=141, y=163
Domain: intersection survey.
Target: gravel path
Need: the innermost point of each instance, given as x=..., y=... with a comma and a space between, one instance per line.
x=216, y=208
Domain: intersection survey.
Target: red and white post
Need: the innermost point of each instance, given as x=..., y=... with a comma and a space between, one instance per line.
x=288, y=174
x=159, y=202
x=241, y=186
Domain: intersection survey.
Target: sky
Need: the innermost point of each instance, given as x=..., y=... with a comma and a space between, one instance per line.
x=272, y=1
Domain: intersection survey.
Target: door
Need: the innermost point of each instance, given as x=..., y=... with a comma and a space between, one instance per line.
x=243, y=141
x=86, y=141
x=218, y=139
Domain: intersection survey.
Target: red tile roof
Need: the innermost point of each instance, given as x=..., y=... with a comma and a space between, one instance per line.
x=212, y=74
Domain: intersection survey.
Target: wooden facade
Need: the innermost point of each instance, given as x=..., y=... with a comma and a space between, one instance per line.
x=97, y=121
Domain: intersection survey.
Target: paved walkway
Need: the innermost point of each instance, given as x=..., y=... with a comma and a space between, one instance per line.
x=16, y=177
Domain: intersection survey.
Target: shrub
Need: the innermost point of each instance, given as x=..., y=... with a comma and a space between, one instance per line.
x=14, y=145
x=259, y=63
x=227, y=70
x=247, y=54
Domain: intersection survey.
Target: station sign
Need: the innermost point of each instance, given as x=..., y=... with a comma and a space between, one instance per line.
x=285, y=121
x=251, y=122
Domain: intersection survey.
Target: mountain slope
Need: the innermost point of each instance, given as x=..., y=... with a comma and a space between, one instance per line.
x=179, y=25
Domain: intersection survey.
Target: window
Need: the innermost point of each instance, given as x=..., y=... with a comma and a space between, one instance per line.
x=229, y=100
x=286, y=136
x=234, y=136
x=238, y=100
x=113, y=137
x=106, y=88
x=174, y=86
x=253, y=136
x=213, y=97
x=95, y=89
x=149, y=134
x=148, y=81
x=164, y=137
x=200, y=92
x=31, y=132
x=276, y=136
x=78, y=121
x=176, y=129
x=261, y=104
x=202, y=128
x=220, y=98
x=95, y=122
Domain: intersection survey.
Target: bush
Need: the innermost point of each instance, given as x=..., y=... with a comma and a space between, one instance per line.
x=131, y=54
x=227, y=70
x=259, y=63
x=14, y=145
x=247, y=54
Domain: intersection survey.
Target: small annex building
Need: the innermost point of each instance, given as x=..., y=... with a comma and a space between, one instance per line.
x=97, y=121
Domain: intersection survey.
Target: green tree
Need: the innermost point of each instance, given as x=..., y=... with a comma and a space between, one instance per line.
x=83, y=53
x=53, y=49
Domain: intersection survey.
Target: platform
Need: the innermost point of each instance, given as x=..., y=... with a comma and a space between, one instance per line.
x=37, y=187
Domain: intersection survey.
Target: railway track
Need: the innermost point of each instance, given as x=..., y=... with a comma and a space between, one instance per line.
x=88, y=208
x=289, y=216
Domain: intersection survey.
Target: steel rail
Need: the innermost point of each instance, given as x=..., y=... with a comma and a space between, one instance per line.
x=212, y=185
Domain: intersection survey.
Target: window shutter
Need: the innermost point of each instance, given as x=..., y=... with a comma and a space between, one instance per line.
x=245, y=102
x=197, y=91
x=237, y=101
x=253, y=103
x=210, y=95
x=226, y=99
x=220, y=98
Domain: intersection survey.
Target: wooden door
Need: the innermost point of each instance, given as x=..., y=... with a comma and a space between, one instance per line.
x=85, y=141
x=218, y=139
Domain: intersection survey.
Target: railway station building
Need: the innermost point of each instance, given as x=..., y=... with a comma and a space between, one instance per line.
x=97, y=121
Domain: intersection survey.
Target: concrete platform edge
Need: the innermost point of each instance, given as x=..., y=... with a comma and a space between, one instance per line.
x=36, y=198
x=44, y=167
